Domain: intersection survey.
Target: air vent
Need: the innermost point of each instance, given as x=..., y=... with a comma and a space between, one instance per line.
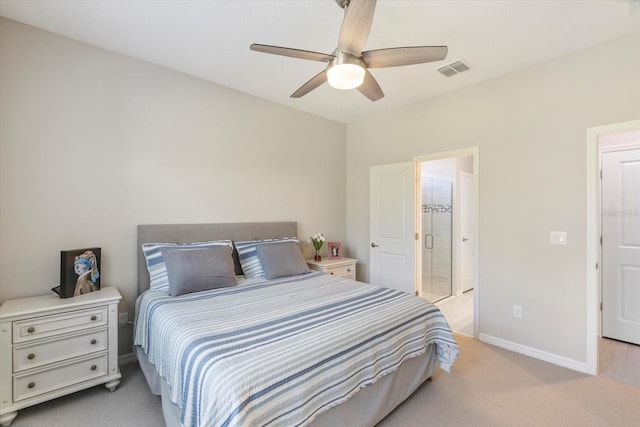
x=447, y=71
x=459, y=66
x=454, y=68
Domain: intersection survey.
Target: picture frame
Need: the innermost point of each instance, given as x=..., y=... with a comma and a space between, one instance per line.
x=79, y=272
x=335, y=250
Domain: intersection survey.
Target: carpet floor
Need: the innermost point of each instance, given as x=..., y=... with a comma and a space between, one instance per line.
x=488, y=386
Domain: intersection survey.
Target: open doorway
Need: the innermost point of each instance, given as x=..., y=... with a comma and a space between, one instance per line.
x=613, y=241
x=446, y=236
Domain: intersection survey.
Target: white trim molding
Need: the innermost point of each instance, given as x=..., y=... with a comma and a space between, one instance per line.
x=565, y=362
x=593, y=233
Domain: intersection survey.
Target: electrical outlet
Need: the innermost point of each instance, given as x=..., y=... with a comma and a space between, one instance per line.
x=123, y=318
x=558, y=238
x=517, y=311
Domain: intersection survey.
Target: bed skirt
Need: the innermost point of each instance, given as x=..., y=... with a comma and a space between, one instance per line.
x=366, y=408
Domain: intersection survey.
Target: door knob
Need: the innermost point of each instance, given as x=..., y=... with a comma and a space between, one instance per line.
x=373, y=245
x=464, y=239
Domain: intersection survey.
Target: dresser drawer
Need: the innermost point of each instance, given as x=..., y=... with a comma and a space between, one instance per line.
x=34, y=355
x=346, y=271
x=51, y=347
x=343, y=267
x=30, y=385
x=46, y=326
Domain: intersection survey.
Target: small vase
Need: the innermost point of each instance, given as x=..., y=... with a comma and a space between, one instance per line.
x=317, y=256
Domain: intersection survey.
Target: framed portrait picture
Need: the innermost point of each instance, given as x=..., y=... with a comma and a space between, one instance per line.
x=335, y=250
x=79, y=272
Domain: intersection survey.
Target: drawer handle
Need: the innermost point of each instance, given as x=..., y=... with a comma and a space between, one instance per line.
x=94, y=317
x=31, y=356
x=94, y=367
x=349, y=270
x=332, y=273
x=31, y=385
x=93, y=341
x=31, y=329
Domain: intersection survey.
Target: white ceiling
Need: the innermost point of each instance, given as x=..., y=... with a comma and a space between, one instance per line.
x=210, y=40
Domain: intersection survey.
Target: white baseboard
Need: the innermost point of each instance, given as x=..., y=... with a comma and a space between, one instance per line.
x=123, y=359
x=535, y=353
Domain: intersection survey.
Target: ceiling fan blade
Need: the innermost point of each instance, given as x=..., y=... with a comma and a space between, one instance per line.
x=355, y=28
x=397, y=56
x=370, y=87
x=312, y=84
x=293, y=53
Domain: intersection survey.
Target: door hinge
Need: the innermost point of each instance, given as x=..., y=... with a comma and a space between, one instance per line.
x=596, y=265
x=416, y=236
x=600, y=240
x=417, y=293
x=600, y=306
x=600, y=173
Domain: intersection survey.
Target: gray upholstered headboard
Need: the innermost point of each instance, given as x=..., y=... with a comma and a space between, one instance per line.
x=190, y=233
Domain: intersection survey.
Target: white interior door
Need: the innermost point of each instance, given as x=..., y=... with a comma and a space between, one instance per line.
x=467, y=234
x=392, y=226
x=621, y=245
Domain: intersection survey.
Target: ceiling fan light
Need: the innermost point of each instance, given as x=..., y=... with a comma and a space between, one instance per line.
x=345, y=76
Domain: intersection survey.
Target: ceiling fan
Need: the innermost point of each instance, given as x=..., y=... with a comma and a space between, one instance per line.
x=348, y=65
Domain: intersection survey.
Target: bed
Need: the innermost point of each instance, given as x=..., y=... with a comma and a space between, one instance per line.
x=307, y=349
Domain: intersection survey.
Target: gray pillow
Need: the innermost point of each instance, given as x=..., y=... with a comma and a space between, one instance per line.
x=281, y=260
x=193, y=270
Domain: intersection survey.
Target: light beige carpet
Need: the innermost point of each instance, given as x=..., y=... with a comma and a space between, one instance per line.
x=488, y=386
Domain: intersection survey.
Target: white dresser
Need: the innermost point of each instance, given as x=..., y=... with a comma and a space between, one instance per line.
x=344, y=267
x=50, y=347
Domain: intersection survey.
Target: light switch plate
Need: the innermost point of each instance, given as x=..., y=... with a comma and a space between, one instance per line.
x=558, y=237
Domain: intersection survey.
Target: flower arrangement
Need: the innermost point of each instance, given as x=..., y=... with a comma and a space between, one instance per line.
x=317, y=240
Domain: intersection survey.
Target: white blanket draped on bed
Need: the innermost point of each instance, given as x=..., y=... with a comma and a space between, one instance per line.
x=280, y=352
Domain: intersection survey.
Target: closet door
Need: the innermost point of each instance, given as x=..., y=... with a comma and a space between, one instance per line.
x=621, y=245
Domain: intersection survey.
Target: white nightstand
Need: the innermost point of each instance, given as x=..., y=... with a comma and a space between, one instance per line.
x=51, y=347
x=345, y=267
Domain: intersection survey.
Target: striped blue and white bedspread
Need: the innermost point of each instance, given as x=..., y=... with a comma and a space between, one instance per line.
x=280, y=352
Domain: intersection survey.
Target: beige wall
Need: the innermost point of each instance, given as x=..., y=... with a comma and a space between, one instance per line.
x=530, y=127
x=93, y=143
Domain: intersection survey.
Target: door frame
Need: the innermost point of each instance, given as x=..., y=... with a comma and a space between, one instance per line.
x=594, y=257
x=459, y=291
x=475, y=153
